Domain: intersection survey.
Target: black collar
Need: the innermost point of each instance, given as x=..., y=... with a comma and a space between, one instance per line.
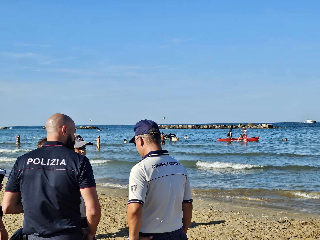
x=53, y=144
x=156, y=153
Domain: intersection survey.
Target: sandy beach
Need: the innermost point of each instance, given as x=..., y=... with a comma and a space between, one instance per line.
x=212, y=219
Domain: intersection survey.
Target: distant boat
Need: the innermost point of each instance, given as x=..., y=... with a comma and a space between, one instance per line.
x=310, y=121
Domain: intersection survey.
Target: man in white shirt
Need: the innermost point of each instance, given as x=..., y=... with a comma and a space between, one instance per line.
x=160, y=201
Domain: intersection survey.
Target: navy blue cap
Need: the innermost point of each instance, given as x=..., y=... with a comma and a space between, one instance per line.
x=145, y=127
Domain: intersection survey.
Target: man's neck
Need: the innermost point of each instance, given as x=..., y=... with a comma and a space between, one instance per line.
x=151, y=148
x=54, y=139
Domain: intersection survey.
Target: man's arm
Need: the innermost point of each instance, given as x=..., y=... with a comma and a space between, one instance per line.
x=11, y=203
x=134, y=217
x=187, y=215
x=3, y=231
x=93, y=210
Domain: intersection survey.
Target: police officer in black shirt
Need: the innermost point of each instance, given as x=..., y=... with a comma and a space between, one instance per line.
x=46, y=185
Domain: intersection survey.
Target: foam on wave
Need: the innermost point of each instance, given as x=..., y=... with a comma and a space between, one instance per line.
x=226, y=165
x=6, y=159
x=14, y=150
x=113, y=185
x=307, y=195
x=97, y=162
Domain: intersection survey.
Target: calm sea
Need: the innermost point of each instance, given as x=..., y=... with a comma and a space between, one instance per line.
x=271, y=171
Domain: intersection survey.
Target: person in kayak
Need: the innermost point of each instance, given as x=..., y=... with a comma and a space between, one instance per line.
x=243, y=133
x=229, y=135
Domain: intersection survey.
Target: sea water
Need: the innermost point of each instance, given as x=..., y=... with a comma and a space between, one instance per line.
x=271, y=171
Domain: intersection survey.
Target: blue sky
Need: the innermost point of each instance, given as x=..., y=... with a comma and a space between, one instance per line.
x=117, y=62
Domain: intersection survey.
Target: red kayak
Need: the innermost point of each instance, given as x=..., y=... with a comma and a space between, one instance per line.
x=253, y=139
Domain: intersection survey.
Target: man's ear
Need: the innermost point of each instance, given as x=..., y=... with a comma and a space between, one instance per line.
x=141, y=142
x=63, y=130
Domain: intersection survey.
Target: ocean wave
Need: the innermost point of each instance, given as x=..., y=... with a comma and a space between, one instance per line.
x=98, y=162
x=291, y=167
x=241, y=166
x=226, y=165
x=259, y=194
x=310, y=195
x=6, y=159
x=114, y=185
x=14, y=150
x=247, y=198
x=248, y=154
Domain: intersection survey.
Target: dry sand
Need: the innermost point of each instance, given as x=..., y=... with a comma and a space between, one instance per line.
x=212, y=219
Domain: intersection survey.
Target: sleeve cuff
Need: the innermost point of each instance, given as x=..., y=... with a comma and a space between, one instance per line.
x=135, y=201
x=88, y=186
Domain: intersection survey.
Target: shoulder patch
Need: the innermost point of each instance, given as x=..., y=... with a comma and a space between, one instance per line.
x=133, y=188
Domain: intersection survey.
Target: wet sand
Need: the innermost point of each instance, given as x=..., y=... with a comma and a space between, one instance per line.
x=212, y=219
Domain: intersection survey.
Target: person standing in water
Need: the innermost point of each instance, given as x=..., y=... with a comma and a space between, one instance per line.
x=98, y=143
x=162, y=139
x=18, y=139
x=229, y=135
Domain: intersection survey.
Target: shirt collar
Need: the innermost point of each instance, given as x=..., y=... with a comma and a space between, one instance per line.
x=53, y=144
x=155, y=153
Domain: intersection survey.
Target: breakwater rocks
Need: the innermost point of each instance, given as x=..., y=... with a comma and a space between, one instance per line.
x=213, y=126
x=87, y=127
x=83, y=127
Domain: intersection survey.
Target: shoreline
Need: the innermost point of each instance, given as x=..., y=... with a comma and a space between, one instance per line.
x=231, y=203
x=288, y=200
x=212, y=219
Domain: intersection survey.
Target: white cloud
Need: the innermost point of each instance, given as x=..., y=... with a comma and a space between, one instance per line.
x=18, y=55
x=178, y=41
x=30, y=45
x=174, y=42
x=67, y=70
x=129, y=67
x=40, y=59
x=122, y=67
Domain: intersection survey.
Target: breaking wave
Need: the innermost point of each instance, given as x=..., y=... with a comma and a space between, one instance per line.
x=14, y=150
x=114, y=185
x=242, y=166
x=226, y=165
x=98, y=162
x=311, y=195
x=6, y=159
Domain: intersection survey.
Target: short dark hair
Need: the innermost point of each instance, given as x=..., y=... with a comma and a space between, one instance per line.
x=153, y=137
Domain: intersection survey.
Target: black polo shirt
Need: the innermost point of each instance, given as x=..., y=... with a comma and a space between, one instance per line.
x=49, y=179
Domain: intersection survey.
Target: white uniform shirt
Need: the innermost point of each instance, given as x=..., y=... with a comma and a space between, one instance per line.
x=161, y=184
